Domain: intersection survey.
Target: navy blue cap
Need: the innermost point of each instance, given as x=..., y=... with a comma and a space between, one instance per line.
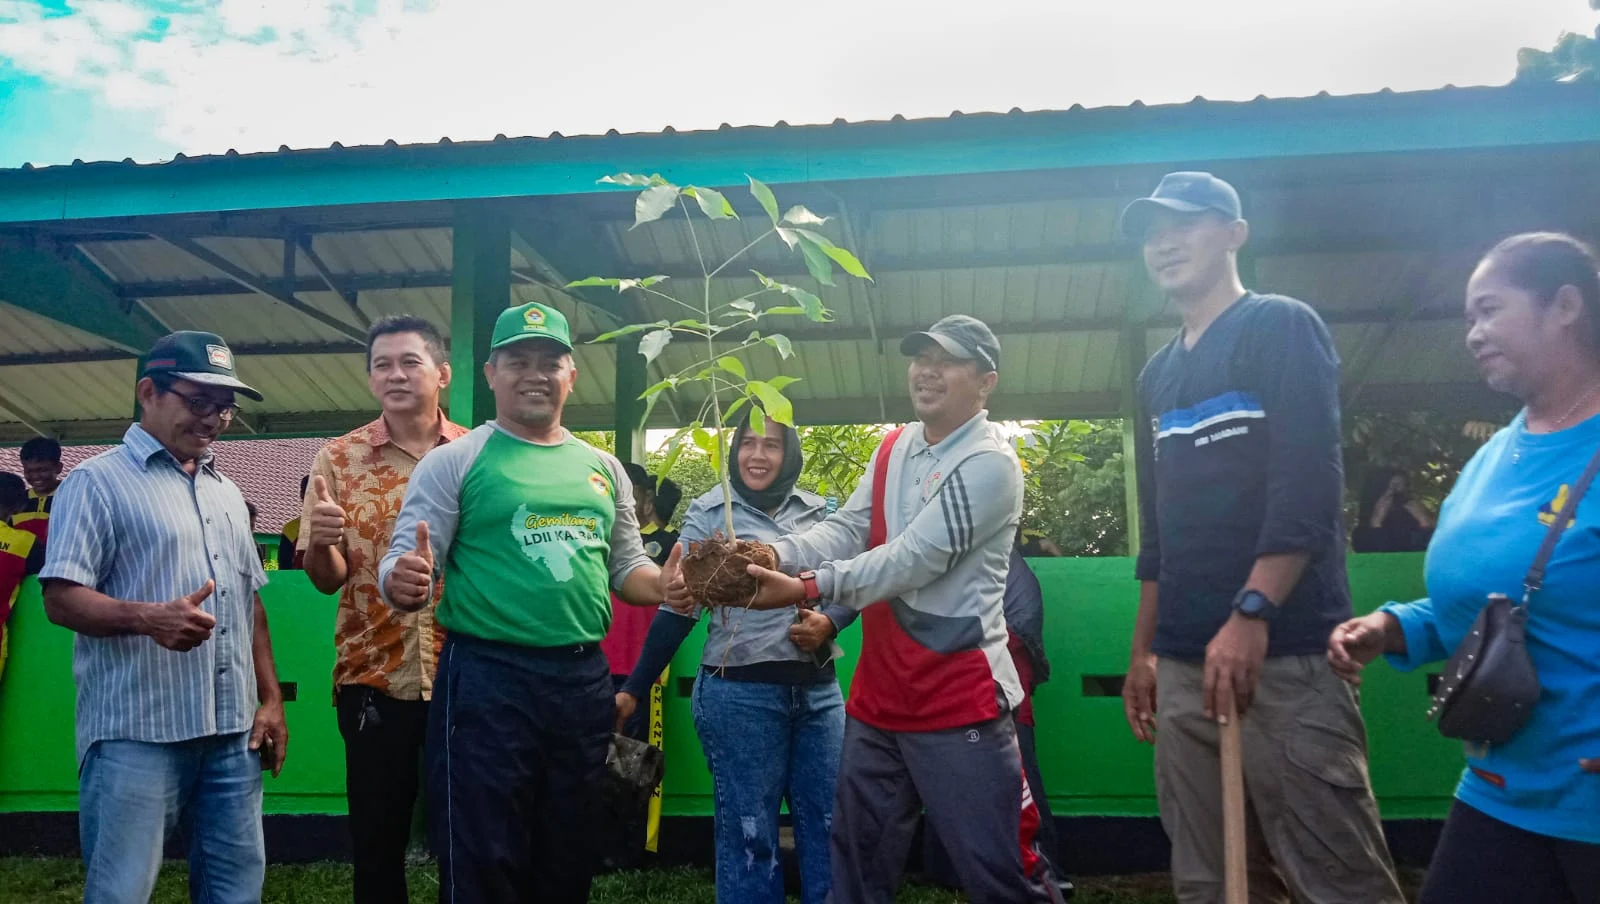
x=1184, y=193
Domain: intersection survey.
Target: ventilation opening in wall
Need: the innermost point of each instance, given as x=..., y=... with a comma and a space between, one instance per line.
x=289, y=689
x=1103, y=685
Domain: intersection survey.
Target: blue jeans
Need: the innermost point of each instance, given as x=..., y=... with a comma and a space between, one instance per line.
x=764, y=744
x=131, y=794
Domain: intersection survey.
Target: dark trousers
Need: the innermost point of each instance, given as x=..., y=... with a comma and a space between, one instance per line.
x=382, y=765
x=936, y=863
x=970, y=780
x=1481, y=860
x=517, y=742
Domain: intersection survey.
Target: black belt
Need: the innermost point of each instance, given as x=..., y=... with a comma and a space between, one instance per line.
x=566, y=652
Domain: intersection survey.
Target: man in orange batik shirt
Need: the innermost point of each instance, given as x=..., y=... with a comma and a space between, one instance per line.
x=383, y=674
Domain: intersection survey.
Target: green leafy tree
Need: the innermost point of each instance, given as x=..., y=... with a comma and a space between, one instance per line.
x=729, y=388
x=1575, y=58
x=837, y=457
x=1073, y=485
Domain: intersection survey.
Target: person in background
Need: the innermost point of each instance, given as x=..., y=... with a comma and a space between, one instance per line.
x=1391, y=519
x=767, y=708
x=921, y=549
x=21, y=554
x=179, y=709
x=654, y=506
x=655, y=502
x=1525, y=826
x=529, y=526
x=41, y=468
x=384, y=660
x=1024, y=607
x=1036, y=544
x=1242, y=572
x=289, y=540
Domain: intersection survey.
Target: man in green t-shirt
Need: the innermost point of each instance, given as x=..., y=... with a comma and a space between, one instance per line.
x=530, y=528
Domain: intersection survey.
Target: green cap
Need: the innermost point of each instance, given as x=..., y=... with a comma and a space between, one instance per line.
x=530, y=321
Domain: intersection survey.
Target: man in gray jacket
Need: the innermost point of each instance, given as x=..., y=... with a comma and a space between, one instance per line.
x=926, y=537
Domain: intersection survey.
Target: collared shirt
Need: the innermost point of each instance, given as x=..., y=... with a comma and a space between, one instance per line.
x=38, y=510
x=377, y=647
x=132, y=524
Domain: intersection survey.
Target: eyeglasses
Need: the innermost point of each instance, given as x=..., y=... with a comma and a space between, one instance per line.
x=204, y=407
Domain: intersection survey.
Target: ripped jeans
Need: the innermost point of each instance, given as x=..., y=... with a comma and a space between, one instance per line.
x=767, y=744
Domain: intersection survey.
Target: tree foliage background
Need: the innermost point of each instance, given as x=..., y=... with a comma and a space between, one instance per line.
x=1074, y=489
x=1576, y=57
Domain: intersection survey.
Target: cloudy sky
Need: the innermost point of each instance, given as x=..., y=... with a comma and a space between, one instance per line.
x=108, y=79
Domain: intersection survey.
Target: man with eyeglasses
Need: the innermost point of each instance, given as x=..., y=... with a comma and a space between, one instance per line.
x=152, y=563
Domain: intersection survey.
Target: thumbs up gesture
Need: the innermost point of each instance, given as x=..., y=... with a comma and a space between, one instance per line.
x=674, y=592
x=327, y=518
x=410, y=584
x=179, y=624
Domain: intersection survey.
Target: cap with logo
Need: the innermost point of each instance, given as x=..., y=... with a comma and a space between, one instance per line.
x=963, y=337
x=530, y=321
x=197, y=357
x=1183, y=193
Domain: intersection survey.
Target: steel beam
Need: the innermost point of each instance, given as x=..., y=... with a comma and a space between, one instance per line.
x=258, y=285
x=351, y=298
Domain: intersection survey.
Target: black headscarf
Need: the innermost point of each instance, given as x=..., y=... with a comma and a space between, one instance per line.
x=769, y=499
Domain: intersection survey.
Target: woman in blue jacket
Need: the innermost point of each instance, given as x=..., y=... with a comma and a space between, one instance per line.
x=766, y=703
x=1525, y=826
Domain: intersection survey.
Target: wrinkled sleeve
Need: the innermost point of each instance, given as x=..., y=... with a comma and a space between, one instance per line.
x=82, y=537
x=1299, y=393
x=1422, y=635
x=627, y=546
x=982, y=496
x=839, y=536
x=433, y=494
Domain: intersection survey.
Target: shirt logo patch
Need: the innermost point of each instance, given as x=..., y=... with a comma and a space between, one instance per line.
x=601, y=488
x=1232, y=410
x=219, y=356
x=1557, y=506
x=555, y=539
x=653, y=548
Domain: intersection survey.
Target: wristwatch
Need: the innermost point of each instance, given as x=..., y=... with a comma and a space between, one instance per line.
x=1255, y=604
x=809, y=580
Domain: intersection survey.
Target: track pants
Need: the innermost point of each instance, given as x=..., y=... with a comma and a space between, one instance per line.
x=969, y=780
x=517, y=742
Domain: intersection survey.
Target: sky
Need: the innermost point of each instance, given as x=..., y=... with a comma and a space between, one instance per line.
x=111, y=79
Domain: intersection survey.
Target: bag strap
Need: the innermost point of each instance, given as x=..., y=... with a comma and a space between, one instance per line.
x=878, y=526
x=1569, y=512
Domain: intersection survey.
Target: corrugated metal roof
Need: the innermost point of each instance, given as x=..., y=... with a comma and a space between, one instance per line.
x=502, y=140
x=1381, y=245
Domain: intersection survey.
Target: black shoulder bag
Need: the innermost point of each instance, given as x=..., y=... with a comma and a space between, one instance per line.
x=1490, y=685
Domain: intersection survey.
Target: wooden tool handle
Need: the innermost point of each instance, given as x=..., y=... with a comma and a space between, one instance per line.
x=1235, y=874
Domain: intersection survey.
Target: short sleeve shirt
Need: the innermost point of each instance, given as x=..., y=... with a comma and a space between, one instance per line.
x=131, y=523
x=378, y=647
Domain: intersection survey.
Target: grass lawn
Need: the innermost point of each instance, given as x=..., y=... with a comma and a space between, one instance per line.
x=41, y=881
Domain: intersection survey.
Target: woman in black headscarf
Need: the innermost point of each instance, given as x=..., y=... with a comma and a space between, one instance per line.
x=766, y=703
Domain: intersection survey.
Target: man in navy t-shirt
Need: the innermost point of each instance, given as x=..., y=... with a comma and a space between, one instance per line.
x=1242, y=571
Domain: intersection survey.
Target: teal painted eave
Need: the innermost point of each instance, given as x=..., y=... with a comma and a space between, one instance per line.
x=1444, y=120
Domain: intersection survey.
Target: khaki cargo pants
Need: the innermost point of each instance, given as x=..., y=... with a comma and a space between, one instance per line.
x=1312, y=824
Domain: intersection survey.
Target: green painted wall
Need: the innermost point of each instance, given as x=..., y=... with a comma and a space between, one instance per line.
x=1091, y=763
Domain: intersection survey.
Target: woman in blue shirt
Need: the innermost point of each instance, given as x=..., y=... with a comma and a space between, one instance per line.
x=766, y=704
x=1526, y=823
